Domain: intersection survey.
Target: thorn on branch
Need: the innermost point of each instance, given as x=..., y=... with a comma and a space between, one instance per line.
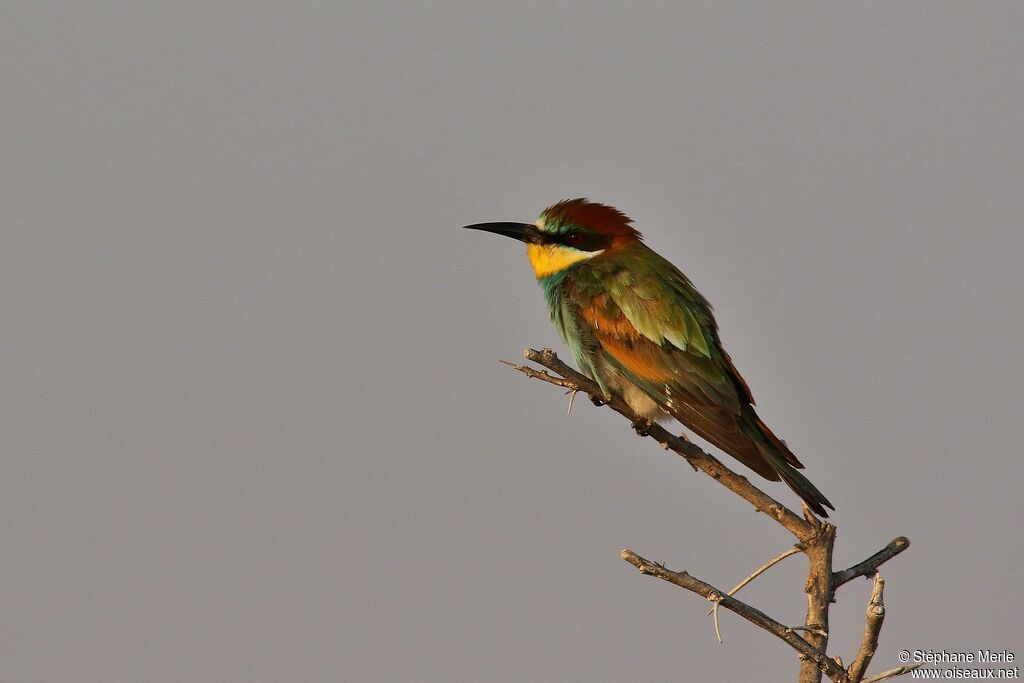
x=572, y=395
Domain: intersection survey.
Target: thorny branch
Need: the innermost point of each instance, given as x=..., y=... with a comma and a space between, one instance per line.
x=751, y=614
x=803, y=529
x=815, y=538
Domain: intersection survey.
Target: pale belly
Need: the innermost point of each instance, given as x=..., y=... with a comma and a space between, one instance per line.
x=637, y=399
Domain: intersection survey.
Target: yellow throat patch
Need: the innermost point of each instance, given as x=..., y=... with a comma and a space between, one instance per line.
x=548, y=259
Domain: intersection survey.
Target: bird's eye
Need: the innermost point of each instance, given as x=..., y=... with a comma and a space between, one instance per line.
x=572, y=237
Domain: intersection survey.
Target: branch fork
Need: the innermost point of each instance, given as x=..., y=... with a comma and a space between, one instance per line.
x=814, y=537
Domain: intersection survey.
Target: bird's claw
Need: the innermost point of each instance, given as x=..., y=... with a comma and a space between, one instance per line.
x=642, y=427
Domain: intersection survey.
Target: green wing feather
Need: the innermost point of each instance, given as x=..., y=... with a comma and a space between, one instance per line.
x=634, y=314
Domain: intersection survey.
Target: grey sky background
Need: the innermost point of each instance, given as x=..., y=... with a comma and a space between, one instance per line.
x=252, y=423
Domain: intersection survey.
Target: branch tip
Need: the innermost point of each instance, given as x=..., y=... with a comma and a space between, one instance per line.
x=870, y=566
x=892, y=673
x=873, y=626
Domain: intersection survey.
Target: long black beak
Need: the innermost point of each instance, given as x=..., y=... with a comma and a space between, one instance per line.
x=524, y=232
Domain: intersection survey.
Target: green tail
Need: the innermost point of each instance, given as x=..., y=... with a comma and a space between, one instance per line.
x=800, y=484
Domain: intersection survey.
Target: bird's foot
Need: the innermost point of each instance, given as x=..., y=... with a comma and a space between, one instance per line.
x=642, y=426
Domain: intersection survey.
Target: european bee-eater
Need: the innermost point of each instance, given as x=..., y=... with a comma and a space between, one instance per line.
x=638, y=327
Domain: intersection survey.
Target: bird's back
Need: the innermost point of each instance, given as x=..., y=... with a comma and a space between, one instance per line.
x=635, y=322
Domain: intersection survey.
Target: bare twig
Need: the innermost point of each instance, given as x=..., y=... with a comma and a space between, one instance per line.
x=892, y=673
x=869, y=566
x=875, y=617
x=762, y=569
x=570, y=384
x=751, y=614
x=714, y=610
x=757, y=572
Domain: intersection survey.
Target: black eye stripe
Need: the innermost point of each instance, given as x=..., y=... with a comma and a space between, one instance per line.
x=588, y=241
x=580, y=239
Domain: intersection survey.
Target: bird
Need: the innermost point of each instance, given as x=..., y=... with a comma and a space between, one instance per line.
x=638, y=327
